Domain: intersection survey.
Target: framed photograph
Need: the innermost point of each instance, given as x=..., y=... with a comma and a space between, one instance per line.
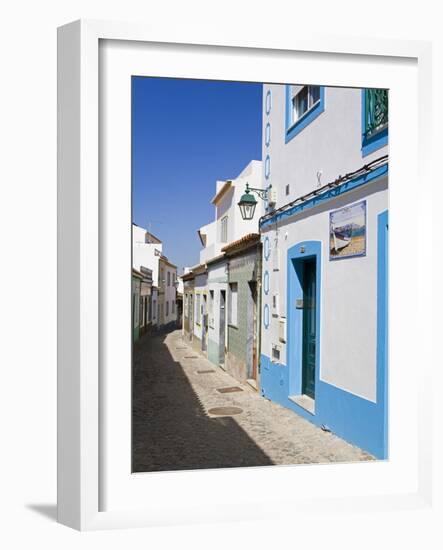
x=209, y=338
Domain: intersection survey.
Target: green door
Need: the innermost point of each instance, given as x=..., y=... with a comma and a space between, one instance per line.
x=309, y=328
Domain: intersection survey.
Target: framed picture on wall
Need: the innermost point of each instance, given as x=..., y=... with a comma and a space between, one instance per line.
x=347, y=230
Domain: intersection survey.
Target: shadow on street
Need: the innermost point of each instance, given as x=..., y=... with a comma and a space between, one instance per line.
x=171, y=430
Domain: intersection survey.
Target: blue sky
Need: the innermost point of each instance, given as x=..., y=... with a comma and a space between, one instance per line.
x=186, y=134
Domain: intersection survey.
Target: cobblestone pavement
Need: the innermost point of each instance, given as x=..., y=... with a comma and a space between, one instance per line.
x=172, y=429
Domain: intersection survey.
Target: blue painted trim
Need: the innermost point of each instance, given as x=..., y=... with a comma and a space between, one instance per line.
x=268, y=102
x=267, y=134
x=266, y=316
x=296, y=255
x=293, y=129
x=328, y=195
x=267, y=166
x=378, y=140
x=355, y=419
x=382, y=321
x=266, y=249
x=266, y=282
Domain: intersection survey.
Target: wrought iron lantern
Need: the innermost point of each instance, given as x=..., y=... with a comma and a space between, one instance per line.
x=248, y=202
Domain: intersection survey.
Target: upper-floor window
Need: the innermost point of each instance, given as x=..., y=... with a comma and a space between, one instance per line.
x=224, y=229
x=169, y=278
x=376, y=111
x=375, y=118
x=303, y=105
x=304, y=100
x=167, y=309
x=162, y=276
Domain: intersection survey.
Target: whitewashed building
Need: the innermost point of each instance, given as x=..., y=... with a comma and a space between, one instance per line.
x=147, y=254
x=215, y=310
x=167, y=293
x=324, y=299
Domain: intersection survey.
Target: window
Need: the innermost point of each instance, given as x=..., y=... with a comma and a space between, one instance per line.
x=376, y=111
x=167, y=308
x=303, y=105
x=375, y=116
x=233, y=298
x=154, y=308
x=162, y=276
x=304, y=100
x=173, y=306
x=198, y=309
x=169, y=278
x=287, y=189
x=224, y=229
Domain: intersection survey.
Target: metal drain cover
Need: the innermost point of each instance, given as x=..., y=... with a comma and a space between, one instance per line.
x=190, y=357
x=205, y=371
x=225, y=411
x=230, y=389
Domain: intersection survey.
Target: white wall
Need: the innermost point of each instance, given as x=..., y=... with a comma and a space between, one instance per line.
x=326, y=148
x=252, y=175
x=330, y=144
x=217, y=280
x=200, y=287
x=138, y=234
x=210, y=250
x=144, y=254
x=180, y=287
x=154, y=306
x=348, y=294
x=170, y=294
x=228, y=206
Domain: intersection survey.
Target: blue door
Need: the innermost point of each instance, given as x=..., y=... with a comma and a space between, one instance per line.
x=309, y=328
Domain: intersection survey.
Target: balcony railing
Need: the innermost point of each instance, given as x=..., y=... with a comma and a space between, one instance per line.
x=376, y=111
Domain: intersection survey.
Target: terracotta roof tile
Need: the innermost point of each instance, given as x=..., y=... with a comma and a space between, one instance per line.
x=250, y=238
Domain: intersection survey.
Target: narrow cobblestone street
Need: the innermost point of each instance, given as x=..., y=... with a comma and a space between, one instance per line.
x=173, y=390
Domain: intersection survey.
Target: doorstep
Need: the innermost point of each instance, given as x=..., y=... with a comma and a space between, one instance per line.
x=304, y=401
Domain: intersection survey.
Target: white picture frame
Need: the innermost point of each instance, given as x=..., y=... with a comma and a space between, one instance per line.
x=82, y=395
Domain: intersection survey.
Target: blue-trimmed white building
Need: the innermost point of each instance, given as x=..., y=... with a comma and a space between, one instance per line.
x=324, y=237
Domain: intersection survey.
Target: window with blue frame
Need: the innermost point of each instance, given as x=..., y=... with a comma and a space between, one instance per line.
x=375, y=117
x=303, y=105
